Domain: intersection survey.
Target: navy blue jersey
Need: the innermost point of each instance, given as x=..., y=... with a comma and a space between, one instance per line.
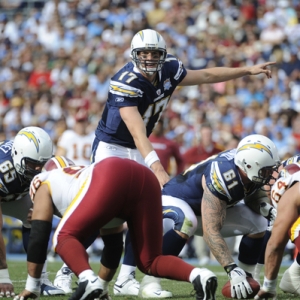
x=128, y=87
x=222, y=179
x=11, y=187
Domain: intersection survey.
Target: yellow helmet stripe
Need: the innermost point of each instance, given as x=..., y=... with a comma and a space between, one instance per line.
x=31, y=137
x=257, y=146
x=61, y=161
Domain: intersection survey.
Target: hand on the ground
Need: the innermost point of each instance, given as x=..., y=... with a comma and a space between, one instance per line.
x=26, y=295
x=6, y=290
x=264, y=295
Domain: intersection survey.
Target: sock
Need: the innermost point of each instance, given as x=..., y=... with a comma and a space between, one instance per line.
x=246, y=267
x=173, y=243
x=126, y=270
x=104, y=284
x=85, y=273
x=194, y=274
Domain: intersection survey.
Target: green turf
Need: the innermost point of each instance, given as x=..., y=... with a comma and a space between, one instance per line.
x=180, y=290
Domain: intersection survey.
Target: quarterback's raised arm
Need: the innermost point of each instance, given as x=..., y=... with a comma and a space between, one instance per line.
x=220, y=74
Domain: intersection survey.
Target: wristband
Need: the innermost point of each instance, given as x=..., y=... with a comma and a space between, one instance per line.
x=4, y=276
x=230, y=267
x=151, y=158
x=269, y=285
x=33, y=285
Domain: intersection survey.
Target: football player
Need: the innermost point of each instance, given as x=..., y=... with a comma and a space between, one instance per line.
x=206, y=200
x=95, y=197
x=20, y=160
x=290, y=280
x=286, y=198
x=139, y=93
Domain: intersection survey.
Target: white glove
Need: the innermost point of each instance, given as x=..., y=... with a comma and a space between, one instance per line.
x=269, y=212
x=239, y=284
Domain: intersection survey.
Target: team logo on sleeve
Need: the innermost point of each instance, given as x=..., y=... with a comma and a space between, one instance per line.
x=167, y=84
x=257, y=146
x=31, y=137
x=217, y=180
x=123, y=90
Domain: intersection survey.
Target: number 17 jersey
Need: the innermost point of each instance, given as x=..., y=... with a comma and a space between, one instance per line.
x=128, y=87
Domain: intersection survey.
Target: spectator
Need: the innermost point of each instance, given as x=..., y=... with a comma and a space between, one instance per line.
x=76, y=143
x=167, y=150
x=204, y=147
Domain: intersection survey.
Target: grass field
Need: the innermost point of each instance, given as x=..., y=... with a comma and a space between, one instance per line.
x=180, y=290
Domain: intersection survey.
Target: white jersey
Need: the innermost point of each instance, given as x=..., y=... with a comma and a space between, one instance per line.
x=76, y=181
x=67, y=196
x=78, y=147
x=281, y=185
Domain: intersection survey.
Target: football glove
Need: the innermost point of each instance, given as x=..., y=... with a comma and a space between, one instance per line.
x=239, y=284
x=269, y=212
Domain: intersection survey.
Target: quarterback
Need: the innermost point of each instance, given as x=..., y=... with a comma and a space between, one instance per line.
x=138, y=95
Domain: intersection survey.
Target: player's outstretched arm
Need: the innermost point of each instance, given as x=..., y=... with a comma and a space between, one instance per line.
x=6, y=287
x=220, y=74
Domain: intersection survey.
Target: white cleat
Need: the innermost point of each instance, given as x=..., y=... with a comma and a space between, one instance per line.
x=205, y=285
x=290, y=281
x=63, y=280
x=151, y=288
x=89, y=288
x=47, y=288
x=127, y=286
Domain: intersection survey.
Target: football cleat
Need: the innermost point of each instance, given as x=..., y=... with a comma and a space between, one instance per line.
x=104, y=295
x=63, y=280
x=88, y=288
x=127, y=286
x=47, y=288
x=150, y=288
x=290, y=280
x=205, y=285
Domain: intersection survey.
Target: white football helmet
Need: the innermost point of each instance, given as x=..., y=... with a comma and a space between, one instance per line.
x=31, y=149
x=57, y=162
x=148, y=40
x=258, y=157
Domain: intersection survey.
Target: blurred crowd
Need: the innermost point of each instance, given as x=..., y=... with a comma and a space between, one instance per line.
x=59, y=56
